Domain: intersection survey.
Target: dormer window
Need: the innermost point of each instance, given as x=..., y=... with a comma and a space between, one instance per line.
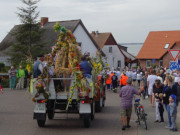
x=166, y=46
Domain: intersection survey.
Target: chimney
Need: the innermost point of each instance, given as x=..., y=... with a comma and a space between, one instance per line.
x=44, y=20
x=93, y=33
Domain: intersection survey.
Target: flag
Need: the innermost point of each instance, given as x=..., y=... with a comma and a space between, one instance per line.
x=28, y=68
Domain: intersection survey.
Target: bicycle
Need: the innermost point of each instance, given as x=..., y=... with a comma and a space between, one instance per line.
x=141, y=115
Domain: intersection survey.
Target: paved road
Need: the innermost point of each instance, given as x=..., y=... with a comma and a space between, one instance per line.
x=16, y=112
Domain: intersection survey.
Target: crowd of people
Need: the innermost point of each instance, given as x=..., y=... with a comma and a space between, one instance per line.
x=162, y=86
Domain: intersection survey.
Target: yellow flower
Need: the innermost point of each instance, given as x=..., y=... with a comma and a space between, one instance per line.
x=70, y=100
x=72, y=88
x=39, y=85
x=75, y=60
x=95, y=65
x=71, y=91
x=91, y=84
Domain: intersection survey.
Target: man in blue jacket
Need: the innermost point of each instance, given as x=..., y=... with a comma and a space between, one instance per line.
x=38, y=66
x=85, y=67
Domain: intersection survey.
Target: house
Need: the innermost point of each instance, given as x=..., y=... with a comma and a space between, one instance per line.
x=130, y=60
x=156, y=46
x=86, y=42
x=109, y=46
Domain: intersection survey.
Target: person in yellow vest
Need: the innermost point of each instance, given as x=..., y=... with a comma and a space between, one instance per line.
x=123, y=80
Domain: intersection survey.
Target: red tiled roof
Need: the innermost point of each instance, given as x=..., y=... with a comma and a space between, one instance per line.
x=153, y=47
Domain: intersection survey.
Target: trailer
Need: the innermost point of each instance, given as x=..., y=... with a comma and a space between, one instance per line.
x=57, y=102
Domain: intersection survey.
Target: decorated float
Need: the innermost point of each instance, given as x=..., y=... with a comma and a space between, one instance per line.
x=65, y=90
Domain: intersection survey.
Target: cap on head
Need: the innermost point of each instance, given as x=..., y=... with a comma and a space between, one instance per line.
x=173, y=97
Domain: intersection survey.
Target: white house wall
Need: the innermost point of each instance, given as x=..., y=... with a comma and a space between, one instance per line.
x=86, y=43
x=5, y=59
x=116, y=53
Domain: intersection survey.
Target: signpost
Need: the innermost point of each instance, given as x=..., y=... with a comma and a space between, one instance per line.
x=173, y=66
x=174, y=54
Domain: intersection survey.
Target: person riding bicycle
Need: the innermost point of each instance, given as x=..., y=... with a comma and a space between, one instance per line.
x=127, y=92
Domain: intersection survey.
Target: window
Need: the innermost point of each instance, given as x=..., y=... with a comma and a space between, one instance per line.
x=119, y=63
x=110, y=49
x=79, y=43
x=166, y=46
x=148, y=63
x=161, y=63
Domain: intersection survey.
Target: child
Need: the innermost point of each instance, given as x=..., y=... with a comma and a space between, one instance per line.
x=161, y=108
x=173, y=111
x=0, y=85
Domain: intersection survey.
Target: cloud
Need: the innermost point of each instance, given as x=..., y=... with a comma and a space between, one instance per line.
x=128, y=20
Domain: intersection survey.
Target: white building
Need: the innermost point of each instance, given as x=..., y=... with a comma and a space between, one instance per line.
x=109, y=46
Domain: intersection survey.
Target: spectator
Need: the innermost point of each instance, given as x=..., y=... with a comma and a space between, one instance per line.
x=139, y=78
x=159, y=77
x=176, y=90
x=12, y=77
x=157, y=89
x=126, y=95
x=123, y=80
x=114, y=79
x=127, y=73
x=118, y=74
x=150, y=82
x=111, y=79
x=108, y=82
x=162, y=74
x=134, y=76
x=144, y=79
x=130, y=74
x=176, y=75
x=167, y=92
x=20, y=75
x=160, y=106
x=173, y=111
x=38, y=66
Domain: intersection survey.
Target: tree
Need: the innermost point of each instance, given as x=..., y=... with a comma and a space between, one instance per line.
x=28, y=34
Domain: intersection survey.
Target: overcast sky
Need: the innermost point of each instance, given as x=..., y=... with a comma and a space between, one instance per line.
x=128, y=20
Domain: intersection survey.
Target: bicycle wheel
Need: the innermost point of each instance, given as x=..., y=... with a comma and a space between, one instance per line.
x=144, y=120
x=135, y=108
x=138, y=116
